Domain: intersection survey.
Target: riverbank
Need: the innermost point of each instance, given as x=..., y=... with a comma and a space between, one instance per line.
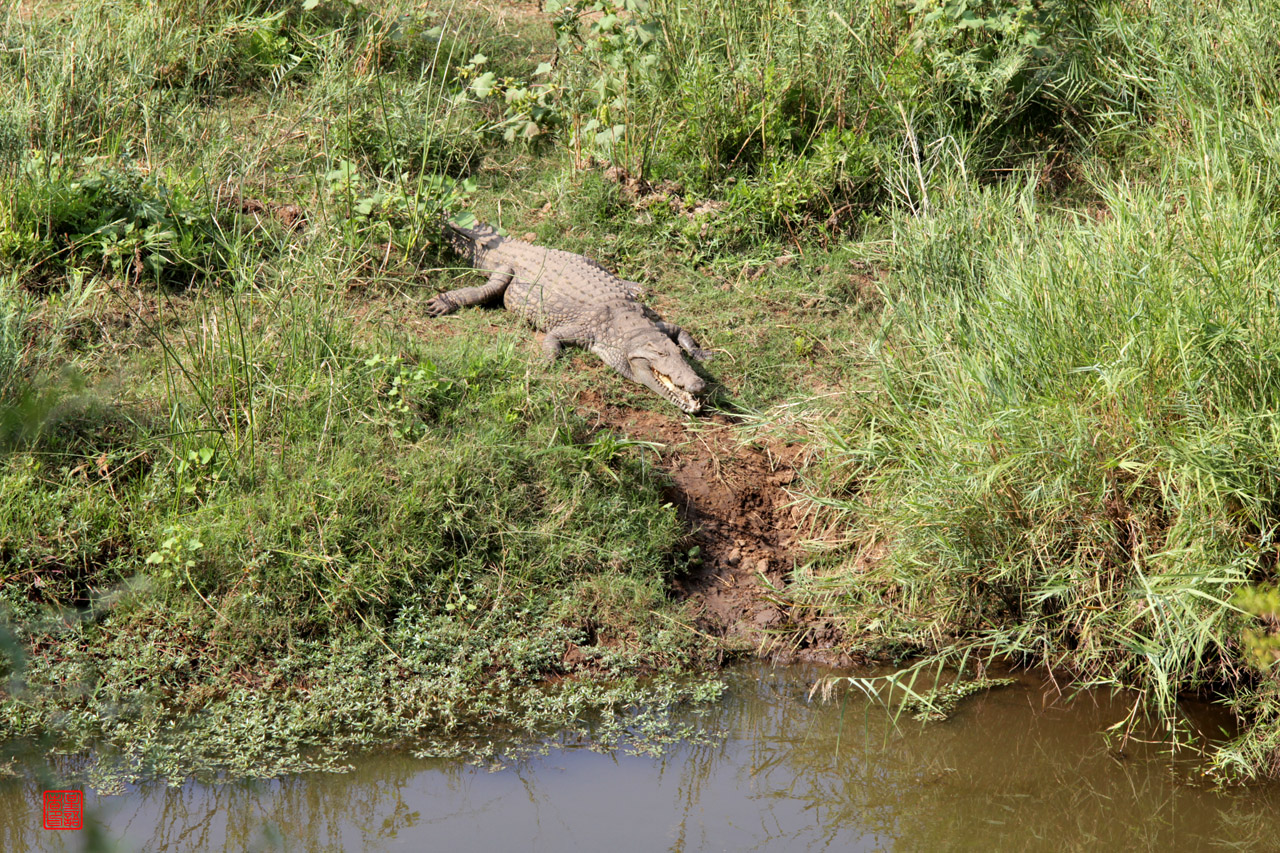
x=991, y=295
x=779, y=772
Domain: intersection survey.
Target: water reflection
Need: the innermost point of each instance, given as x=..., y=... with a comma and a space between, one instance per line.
x=789, y=774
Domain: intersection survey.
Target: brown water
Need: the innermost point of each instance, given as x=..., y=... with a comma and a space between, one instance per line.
x=1008, y=772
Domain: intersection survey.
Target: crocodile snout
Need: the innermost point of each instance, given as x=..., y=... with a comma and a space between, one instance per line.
x=681, y=393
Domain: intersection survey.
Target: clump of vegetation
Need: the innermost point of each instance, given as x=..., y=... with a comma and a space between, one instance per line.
x=939, y=703
x=429, y=594
x=104, y=216
x=1071, y=448
x=1260, y=641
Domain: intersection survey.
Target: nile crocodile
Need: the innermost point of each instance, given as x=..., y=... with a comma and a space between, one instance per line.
x=574, y=300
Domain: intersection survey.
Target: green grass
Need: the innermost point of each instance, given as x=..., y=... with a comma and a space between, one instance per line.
x=409, y=545
x=1070, y=452
x=1008, y=269
x=241, y=530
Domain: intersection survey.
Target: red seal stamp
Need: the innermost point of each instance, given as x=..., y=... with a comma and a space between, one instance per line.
x=64, y=809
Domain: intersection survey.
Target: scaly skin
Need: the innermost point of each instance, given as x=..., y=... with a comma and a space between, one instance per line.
x=576, y=301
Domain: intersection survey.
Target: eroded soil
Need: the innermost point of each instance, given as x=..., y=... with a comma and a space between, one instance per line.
x=736, y=498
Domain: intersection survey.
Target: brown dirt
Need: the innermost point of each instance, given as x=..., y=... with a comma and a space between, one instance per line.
x=741, y=513
x=291, y=216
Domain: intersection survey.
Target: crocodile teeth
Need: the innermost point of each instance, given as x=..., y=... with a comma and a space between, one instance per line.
x=682, y=397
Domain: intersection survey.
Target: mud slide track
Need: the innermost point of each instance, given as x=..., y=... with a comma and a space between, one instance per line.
x=734, y=500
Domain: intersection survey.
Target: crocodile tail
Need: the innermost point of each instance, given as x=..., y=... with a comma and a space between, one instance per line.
x=455, y=236
x=465, y=238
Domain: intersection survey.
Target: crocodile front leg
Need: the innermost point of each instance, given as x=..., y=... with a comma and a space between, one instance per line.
x=684, y=339
x=447, y=303
x=582, y=331
x=566, y=333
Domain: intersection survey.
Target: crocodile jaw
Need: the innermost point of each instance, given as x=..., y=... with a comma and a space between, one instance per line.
x=673, y=392
x=677, y=383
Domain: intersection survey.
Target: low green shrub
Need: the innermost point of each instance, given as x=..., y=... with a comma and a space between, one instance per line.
x=107, y=217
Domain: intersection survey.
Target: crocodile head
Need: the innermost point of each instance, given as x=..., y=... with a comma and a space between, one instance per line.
x=659, y=365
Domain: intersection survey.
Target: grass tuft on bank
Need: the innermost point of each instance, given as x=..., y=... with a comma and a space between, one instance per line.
x=1070, y=452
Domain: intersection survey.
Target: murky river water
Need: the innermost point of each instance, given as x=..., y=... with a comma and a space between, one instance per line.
x=1008, y=772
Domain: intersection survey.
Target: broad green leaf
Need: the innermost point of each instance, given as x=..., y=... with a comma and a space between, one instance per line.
x=612, y=135
x=483, y=84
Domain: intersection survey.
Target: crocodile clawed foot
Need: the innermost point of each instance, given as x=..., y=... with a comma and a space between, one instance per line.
x=438, y=306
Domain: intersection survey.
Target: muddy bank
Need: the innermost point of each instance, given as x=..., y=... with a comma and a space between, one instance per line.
x=738, y=502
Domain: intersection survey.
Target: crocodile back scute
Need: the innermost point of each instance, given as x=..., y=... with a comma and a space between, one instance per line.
x=548, y=287
x=551, y=286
